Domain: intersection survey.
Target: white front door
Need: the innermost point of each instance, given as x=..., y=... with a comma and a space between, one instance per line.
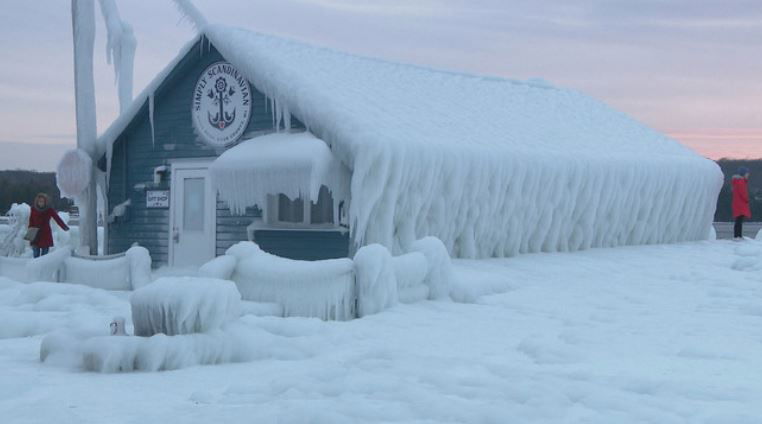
x=193, y=216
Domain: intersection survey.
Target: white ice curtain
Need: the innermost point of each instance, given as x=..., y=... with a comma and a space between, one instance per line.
x=295, y=164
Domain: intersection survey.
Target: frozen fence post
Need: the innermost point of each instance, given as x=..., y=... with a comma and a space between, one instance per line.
x=140, y=266
x=376, y=280
x=184, y=305
x=439, y=275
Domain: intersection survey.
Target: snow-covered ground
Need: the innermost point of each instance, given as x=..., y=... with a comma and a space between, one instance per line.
x=661, y=334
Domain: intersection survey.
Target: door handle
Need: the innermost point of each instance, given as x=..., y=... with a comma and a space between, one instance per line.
x=175, y=235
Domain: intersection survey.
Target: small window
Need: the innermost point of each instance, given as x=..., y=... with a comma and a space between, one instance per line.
x=286, y=212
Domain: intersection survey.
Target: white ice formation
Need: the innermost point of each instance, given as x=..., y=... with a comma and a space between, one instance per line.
x=295, y=164
x=411, y=270
x=73, y=173
x=491, y=166
x=439, y=273
x=184, y=305
x=12, y=243
x=376, y=280
x=321, y=289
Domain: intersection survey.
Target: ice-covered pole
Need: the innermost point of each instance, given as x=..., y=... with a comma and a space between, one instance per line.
x=83, y=29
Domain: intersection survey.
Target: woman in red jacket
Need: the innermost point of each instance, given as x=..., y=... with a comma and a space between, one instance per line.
x=40, y=219
x=741, y=210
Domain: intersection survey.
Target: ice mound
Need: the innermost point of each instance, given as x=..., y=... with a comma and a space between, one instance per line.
x=320, y=289
x=160, y=352
x=376, y=280
x=184, y=305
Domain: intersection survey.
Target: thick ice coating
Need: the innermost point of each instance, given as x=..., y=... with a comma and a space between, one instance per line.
x=184, y=305
x=376, y=280
x=320, y=289
x=491, y=166
x=292, y=164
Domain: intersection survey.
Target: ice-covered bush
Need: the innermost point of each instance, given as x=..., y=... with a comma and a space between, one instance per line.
x=184, y=305
x=320, y=289
x=375, y=279
x=439, y=275
x=12, y=242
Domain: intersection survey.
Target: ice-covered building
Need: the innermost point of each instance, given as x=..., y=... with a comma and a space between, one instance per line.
x=312, y=152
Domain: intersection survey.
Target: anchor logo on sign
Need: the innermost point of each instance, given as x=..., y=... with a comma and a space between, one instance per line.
x=221, y=95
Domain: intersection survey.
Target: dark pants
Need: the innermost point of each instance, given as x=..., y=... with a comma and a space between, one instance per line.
x=738, y=228
x=40, y=251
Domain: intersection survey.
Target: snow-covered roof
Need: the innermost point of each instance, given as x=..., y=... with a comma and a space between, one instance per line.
x=471, y=158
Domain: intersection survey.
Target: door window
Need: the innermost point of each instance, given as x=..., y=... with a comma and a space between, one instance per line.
x=193, y=204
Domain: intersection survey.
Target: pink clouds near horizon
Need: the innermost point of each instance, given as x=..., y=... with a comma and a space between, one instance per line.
x=719, y=143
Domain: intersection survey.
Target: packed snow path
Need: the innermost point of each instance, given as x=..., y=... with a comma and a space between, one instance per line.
x=661, y=334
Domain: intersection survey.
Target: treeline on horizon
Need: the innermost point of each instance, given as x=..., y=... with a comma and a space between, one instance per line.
x=20, y=186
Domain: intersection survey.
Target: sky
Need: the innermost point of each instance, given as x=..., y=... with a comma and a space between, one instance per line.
x=689, y=68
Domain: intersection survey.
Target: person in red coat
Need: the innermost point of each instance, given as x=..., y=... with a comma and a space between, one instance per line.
x=40, y=219
x=741, y=210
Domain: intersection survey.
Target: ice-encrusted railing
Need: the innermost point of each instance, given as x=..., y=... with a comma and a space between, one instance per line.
x=186, y=321
x=336, y=289
x=126, y=271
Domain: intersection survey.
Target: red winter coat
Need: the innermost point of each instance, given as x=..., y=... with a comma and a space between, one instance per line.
x=740, y=197
x=41, y=219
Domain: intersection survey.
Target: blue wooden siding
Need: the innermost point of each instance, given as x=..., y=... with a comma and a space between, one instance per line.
x=136, y=154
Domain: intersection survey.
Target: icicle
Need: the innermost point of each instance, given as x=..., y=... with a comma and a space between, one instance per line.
x=286, y=118
x=150, y=119
x=272, y=110
x=201, y=47
x=120, y=51
x=278, y=116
